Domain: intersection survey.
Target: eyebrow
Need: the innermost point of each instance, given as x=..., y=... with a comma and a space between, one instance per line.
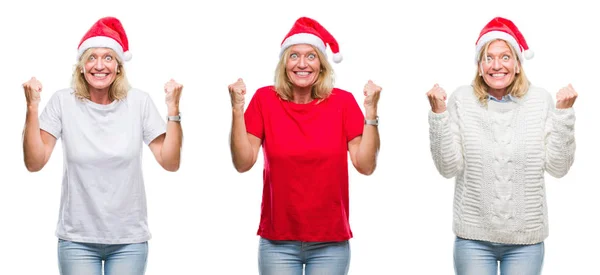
x=307, y=52
x=502, y=53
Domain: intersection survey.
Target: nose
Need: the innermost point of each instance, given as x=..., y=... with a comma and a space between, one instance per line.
x=302, y=63
x=496, y=64
x=99, y=65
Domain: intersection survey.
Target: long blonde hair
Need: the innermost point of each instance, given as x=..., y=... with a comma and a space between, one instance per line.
x=118, y=89
x=519, y=86
x=322, y=87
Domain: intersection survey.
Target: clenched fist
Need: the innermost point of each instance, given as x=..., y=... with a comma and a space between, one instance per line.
x=173, y=94
x=372, y=93
x=237, y=91
x=32, y=89
x=565, y=98
x=437, y=99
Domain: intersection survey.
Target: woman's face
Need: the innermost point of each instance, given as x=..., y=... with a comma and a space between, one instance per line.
x=100, y=70
x=303, y=65
x=499, y=67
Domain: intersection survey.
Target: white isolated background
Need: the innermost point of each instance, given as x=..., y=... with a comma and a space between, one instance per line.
x=204, y=217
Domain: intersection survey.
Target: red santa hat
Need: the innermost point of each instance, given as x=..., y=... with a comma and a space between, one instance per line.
x=106, y=33
x=309, y=31
x=502, y=28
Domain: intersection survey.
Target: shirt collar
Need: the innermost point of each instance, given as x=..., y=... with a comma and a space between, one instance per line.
x=505, y=98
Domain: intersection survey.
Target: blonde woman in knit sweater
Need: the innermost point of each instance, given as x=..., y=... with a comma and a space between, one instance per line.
x=497, y=137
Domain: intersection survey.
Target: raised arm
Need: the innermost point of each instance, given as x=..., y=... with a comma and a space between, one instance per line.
x=560, y=133
x=37, y=144
x=365, y=148
x=167, y=147
x=444, y=137
x=244, y=146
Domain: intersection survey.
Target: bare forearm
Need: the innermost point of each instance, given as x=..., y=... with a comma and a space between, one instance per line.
x=368, y=149
x=33, y=146
x=171, y=149
x=241, y=149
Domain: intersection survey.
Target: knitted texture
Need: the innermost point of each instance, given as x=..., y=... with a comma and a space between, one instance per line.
x=498, y=154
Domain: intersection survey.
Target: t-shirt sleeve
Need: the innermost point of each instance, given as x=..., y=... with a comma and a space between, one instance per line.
x=51, y=117
x=354, y=120
x=253, y=116
x=153, y=124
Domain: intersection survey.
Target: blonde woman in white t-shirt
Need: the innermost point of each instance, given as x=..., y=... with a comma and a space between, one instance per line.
x=103, y=123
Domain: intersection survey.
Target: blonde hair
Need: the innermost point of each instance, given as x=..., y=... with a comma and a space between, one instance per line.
x=117, y=90
x=322, y=87
x=519, y=86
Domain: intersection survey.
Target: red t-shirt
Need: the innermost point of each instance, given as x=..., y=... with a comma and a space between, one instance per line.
x=305, y=176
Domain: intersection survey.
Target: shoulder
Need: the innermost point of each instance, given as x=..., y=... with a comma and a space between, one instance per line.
x=138, y=97
x=338, y=94
x=463, y=91
x=538, y=92
x=341, y=93
x=135, y=93
x=64, y=93
x=265, y=93
x=62, y=97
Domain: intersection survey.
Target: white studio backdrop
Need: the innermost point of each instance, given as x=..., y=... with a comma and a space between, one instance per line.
x=204, y=217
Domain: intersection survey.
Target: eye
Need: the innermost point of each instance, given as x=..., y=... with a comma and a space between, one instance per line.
x=92, y=58
x=505, y=57
x=294, y=56
x=312, y=56
x=108, y=58
x=488, y=59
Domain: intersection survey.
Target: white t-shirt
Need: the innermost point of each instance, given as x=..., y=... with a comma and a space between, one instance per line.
x=103, y=198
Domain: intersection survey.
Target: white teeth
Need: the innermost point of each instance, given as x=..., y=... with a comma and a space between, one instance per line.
x=498, y=75
x=100, y=75
x=302, y=73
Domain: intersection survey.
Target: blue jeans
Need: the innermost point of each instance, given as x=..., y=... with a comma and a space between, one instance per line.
x=483, y=258
x=290, y=257
x=76, y=258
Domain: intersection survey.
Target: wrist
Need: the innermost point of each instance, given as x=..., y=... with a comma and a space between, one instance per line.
x=32, y=107
x=370, y=113
x=173, y=111
x=237, y=109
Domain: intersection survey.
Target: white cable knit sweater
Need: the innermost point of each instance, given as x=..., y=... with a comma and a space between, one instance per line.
x=498, y=155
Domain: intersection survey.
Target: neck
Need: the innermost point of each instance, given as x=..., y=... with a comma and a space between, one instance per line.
x=99, y=96
x=302, y=95
x=497, y=93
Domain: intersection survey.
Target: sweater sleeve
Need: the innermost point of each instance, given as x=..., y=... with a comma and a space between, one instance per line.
x=559, y=140
x=445, y=140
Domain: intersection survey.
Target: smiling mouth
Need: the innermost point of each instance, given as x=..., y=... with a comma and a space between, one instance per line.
x=498, y=75
x=302, y=73
x=100, y=75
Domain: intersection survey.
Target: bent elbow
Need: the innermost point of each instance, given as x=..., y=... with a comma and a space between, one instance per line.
x=171, y=167
x=33, y=167
x=242, y=168
x=558, y=173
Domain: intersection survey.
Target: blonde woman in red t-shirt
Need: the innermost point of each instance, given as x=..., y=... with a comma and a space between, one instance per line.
x=306, y=128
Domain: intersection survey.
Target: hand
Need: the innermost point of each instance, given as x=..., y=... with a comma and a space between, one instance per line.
x=237, y=90
x=565, y=98
x=372, y=93
x=172, y=95
x=32, y=89
x=437, y=99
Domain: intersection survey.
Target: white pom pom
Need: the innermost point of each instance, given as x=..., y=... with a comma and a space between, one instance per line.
x=337, y=57
x=127, y=55
x=528, y=54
